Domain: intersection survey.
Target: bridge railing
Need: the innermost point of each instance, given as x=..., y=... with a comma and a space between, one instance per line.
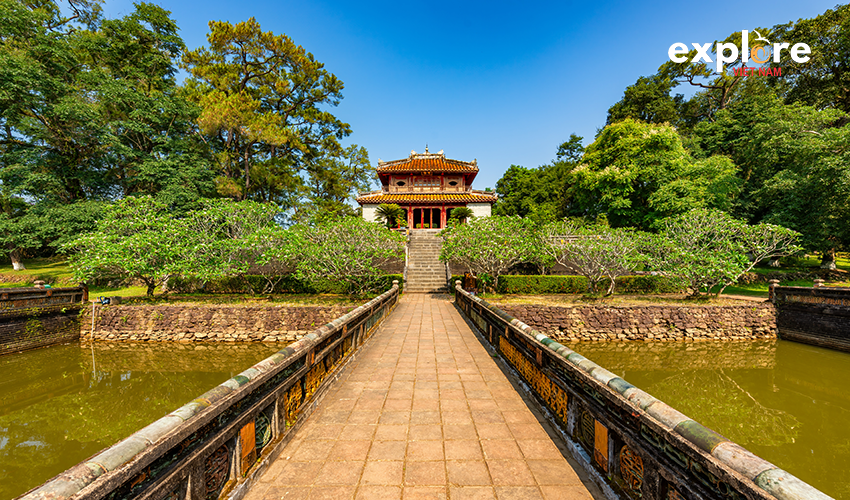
x=641, y=447
x=218, y=444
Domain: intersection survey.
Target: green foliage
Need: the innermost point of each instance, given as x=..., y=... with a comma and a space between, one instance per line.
x=823, y=81
x=541, y=285
x=136, y=238
x=538, y=193
x=291, y=284
x=597, y=252
x=647, y=100
x=636, y=172
x=223, y=238
x=709, y=248
x=810, y=189
x=348, y=250
x=491, y=245
x=141, y=238
x=90, y=111
x=262, y=98
x=389, y=213
x=538, y=285
x=332, y=181
x=646, y=284
x=461, y=214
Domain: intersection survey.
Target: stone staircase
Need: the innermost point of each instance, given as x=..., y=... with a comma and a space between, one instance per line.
x=425, y=272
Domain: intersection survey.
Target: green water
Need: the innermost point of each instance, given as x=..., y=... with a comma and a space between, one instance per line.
x=784, y=401
x=60, y=405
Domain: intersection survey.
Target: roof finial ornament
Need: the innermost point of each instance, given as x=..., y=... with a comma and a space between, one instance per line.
x=426, y=148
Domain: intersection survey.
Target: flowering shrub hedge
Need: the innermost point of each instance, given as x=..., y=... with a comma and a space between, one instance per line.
x=541, y=285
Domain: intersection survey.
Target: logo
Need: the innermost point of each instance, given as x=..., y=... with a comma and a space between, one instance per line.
x=760, y=53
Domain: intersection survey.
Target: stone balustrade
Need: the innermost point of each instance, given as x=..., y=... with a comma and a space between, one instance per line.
x=638, y=446
x=216, y=445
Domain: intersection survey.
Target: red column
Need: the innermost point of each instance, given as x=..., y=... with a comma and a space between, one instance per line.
x=409, y=216
x=443, y=219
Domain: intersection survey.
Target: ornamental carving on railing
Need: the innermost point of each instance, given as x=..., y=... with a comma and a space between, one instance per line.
x=631, y=470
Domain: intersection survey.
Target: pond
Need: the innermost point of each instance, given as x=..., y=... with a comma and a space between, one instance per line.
x=786, y=402
x=62, y=404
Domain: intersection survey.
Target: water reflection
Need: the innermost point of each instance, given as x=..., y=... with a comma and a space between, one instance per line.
x=62, y=404
x=781, y=400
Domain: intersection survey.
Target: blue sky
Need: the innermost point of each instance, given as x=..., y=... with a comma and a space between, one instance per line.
x=501, y=82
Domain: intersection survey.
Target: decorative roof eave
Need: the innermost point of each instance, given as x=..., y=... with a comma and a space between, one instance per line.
x=426, y=199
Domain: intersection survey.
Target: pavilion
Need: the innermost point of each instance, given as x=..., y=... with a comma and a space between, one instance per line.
x=428, y=186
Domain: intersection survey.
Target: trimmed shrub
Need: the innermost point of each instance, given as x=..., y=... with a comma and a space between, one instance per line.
x=650, y=284
x=541, y=285
x=532, y=285
x=287, y=284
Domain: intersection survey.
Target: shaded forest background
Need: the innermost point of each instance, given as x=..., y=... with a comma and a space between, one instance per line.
x=91, y=112
x=772, y=149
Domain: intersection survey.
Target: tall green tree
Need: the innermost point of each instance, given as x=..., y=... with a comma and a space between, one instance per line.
x=810, y=189
x=262, y=99
x=824, y=80
x=648, y=100
x=538, y=193
x=637, y=173
x=149, y=125
x=332, y=181
x=90, y=110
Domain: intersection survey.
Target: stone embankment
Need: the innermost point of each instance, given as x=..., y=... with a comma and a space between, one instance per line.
x=207, y=323
x=664, y=323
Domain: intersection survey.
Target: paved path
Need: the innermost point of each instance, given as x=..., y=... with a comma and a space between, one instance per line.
x=423, y=413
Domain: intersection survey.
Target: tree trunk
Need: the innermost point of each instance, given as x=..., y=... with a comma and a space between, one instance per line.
x=17, y=260
x=828, y=260
x=611, y=287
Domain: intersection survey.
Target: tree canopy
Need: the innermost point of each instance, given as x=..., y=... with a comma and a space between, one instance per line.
x=92, y=112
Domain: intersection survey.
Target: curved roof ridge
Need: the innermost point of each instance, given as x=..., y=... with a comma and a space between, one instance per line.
x=428, y=162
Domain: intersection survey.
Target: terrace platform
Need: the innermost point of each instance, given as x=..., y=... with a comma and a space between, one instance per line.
x=424, y=412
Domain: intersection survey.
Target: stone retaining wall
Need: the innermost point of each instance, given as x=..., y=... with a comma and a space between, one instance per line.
x=818, y=316
x=31, y=328
x=756, y=321
x=207, y=323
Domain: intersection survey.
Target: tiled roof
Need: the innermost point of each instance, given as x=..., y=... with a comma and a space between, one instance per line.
x=427, y=198
x=427, y=162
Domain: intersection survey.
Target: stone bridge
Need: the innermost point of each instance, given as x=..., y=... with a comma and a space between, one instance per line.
x=424, y=398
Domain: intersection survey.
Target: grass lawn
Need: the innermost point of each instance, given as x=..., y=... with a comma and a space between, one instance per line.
x=57, y=272
x=54, y=270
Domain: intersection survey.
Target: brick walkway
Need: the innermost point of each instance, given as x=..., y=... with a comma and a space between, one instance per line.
x=423, y=412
